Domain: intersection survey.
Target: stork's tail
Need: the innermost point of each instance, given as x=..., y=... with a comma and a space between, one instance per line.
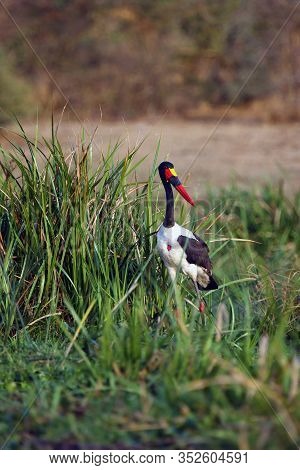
x=212, y=285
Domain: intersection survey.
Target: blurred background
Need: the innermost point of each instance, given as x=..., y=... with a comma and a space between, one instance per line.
x=158, y=61
x=217, y=84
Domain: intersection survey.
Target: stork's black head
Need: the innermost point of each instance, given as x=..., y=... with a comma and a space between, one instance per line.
x=166, y=171
x=168, y=174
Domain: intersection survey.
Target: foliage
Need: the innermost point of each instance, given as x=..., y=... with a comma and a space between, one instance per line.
x=99, y=350
x=14, y=91
x=133, y=58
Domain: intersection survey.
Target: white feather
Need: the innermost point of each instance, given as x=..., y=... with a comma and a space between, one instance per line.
x=175, y=258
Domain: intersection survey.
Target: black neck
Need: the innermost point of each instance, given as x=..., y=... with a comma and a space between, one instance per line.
x=169, y=217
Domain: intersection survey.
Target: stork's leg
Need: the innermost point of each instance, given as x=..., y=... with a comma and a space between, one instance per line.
x=197, y=289
x=172, y=273
x=201, y=301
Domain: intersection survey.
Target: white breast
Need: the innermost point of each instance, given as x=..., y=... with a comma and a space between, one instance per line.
x=175, y=257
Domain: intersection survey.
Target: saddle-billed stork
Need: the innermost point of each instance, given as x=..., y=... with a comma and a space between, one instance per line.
x=178, y=247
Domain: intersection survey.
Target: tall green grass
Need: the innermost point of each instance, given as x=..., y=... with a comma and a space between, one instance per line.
x=99, y=350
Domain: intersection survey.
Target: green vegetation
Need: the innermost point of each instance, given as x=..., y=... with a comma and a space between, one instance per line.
x=134, y=58
x=97, y=351
x=14, y=91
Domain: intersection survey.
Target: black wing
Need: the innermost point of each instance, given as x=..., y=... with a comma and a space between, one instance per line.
x=197, y=253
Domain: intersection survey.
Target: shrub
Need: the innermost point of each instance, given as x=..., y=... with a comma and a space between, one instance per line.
x=14, y=91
